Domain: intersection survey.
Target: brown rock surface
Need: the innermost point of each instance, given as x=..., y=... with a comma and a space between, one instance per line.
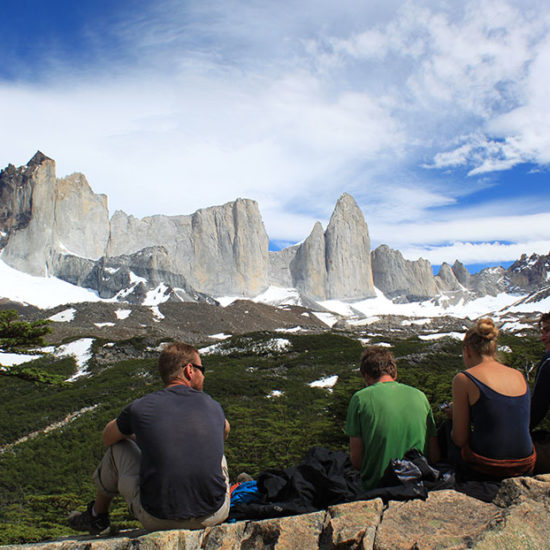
x=446, y=519
x=519, y=489
x=352, y=525
x=525, y=526
x=224, y=537
x=284, y=533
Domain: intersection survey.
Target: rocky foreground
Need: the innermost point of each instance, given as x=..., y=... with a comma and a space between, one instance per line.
x=517, y=518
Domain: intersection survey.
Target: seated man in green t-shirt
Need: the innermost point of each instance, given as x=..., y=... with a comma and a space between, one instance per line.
x=386, y=419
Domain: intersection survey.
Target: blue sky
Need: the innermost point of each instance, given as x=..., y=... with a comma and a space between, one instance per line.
x=432, y=114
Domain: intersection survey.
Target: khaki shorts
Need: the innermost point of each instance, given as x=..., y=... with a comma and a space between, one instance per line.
x=118, y=473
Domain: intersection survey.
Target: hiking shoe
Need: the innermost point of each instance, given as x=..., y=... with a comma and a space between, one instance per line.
x=85, y=521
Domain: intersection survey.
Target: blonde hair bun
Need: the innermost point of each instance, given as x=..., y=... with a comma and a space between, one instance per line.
x=486, y=329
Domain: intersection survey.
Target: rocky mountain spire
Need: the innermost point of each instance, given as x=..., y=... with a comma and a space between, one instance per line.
x=62, y=216
x=446, y=279
x=60, y=227
x=347, y=252
x=308, y=266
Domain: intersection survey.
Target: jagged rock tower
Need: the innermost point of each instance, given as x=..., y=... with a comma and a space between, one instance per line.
x=335, y=264
x=59, y=227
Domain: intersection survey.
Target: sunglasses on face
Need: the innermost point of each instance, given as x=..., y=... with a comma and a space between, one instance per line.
x=200, y=367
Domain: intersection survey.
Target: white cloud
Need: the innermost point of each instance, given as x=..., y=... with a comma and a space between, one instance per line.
x=477, y=253
x=506, y=228
x=292, y=104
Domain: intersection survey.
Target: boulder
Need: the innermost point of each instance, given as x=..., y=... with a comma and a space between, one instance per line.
x=352, y=525
x=286, y=533
x=524, y=526
x=518, y=518
x=446, y=519
x=224, y=537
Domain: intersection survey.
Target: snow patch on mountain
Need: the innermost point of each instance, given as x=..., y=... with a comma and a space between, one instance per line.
x=81, y=350
x=10, y=359
x=327, y=383
x=123, y=313
x=42, y=292
x=247, y=345
x=64, y=316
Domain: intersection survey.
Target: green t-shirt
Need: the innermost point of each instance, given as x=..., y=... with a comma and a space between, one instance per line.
x=391, y=418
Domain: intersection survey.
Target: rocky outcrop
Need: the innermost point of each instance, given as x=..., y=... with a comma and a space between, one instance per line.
x=529, y=273
x=59, y=227
x=462, y=274
x=489, y=281
x=335, y=264
x=309, y=274
x=348, y=262
x=65, y=216
x=403, y=279
x=446, y=280
x=517, y=518
x=135, y=278
x=218, y=250
x=279, y=266
x=16, y=186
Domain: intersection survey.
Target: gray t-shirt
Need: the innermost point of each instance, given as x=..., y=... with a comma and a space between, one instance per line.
x=180, y=432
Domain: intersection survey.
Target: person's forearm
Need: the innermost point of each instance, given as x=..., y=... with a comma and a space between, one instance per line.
x=226, y=430
x=111, y=434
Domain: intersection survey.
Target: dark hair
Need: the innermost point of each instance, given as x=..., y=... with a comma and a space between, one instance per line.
x=544, y=318
x=482, y=338
x=377, y=361
x=174, y=356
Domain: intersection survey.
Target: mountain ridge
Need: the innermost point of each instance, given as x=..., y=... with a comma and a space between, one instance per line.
x=59, y=227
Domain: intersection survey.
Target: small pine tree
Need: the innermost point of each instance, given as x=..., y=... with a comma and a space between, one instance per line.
x=16, y=335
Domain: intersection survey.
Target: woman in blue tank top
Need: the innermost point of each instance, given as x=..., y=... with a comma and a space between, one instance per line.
x=491, y=409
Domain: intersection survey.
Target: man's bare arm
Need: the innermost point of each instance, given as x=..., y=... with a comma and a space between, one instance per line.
x=111, y=434
x=226, y=430
x=356, y=451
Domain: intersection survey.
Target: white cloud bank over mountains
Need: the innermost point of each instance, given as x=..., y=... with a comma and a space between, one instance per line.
x=415, y=108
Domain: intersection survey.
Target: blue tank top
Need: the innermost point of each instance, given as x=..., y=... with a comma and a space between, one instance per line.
x=500, y=423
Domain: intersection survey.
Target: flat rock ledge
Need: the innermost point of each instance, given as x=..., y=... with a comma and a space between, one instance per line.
x=517, y=518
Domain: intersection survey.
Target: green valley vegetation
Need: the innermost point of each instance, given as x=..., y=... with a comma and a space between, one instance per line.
x=50, y=433
x=18, y=335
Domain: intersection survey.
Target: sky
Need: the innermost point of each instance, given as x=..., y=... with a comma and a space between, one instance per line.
x=433, y=115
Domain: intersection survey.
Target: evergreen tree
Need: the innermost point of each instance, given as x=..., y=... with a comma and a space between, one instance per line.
x=16, y=335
